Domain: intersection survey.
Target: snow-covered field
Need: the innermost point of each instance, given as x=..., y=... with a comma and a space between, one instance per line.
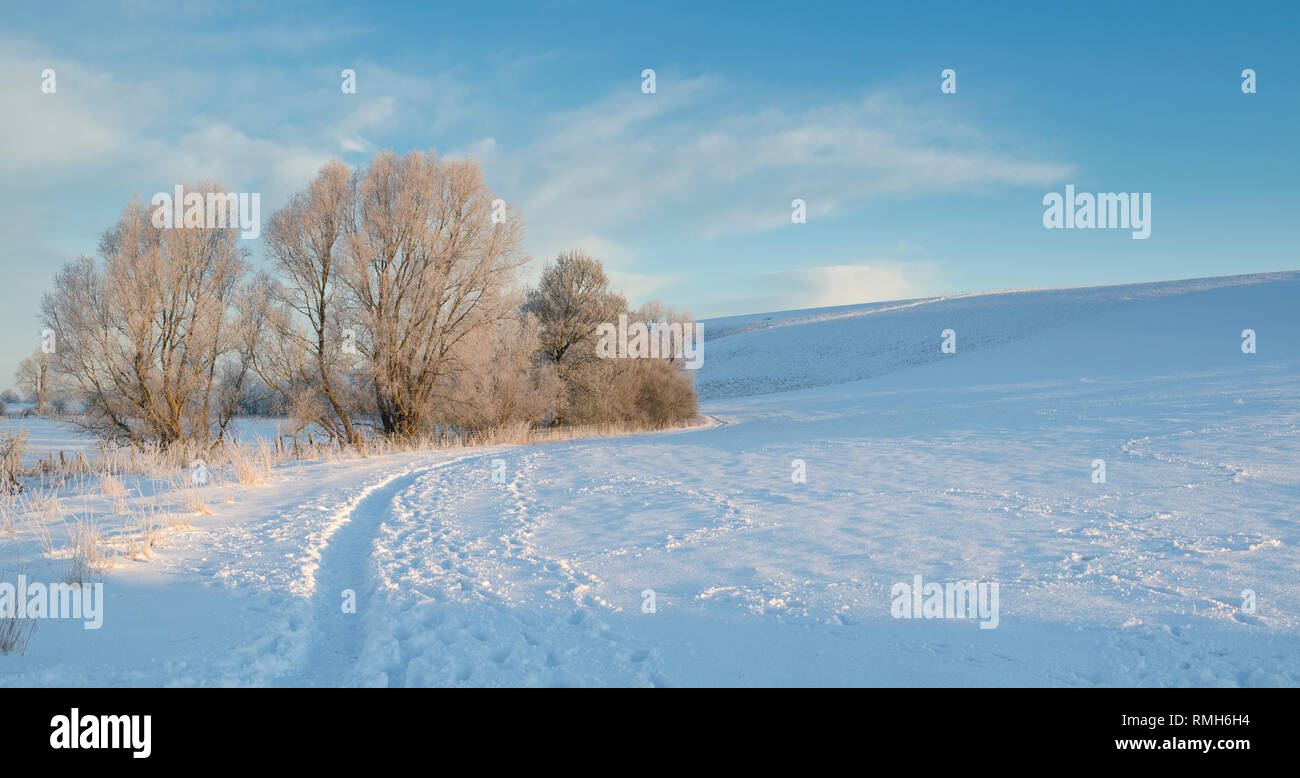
x=46, y=435
x=969, y=467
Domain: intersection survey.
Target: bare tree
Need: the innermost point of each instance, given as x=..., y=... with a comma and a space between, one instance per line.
x=304, y=351
x=571, y=300
x=33, y=378
x=667, y=326
x=149, y=333
x=429, y=262
x=392, y=305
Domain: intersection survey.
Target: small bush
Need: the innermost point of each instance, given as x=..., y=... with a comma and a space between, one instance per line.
x=648, y=393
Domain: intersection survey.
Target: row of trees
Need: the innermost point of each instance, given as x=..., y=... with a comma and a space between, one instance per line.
x=391, y=305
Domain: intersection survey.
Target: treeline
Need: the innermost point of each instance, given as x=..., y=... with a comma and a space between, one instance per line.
x=391, y=305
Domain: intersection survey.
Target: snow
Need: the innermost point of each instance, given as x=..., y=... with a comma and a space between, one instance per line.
x=967, y=467
x=49, y=435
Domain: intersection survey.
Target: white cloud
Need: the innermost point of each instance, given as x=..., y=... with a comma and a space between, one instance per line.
x=868, y=281
x=632, y=159
x=638, y=287
x=374, y=113
x=874, y=281
x=219, y=152
x=73, y=125
x=70, y=160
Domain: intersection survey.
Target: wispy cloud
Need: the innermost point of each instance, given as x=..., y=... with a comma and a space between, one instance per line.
x=675, y=156
x=707, y=168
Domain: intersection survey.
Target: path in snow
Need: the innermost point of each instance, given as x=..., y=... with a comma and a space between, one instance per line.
x=345, y=566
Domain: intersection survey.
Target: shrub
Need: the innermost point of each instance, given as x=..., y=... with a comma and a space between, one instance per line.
x=637, y=392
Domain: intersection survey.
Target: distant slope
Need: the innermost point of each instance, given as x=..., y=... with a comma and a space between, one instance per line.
x=779, y=352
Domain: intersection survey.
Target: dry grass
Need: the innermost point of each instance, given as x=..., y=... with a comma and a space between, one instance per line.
x=10, y=506
x=144, y=530
x=251, y=463
x=520, y=434
x=111, y=485
x=116, y=493
x=86, y=561
x=194, y=498
x=45, y=510
x=15, y=633
x=254, y=462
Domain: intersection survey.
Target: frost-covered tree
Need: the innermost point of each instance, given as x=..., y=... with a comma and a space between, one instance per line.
x=33, y=378
x=667, y=325
x=571, y=300
x=304, y=349
x=149, y=334
x=430, y=262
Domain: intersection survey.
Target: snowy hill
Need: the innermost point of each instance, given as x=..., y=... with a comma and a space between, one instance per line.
x=776, y=352
x=702, y=558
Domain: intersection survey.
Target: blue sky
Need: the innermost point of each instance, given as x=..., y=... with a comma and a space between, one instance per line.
x=685, y=193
